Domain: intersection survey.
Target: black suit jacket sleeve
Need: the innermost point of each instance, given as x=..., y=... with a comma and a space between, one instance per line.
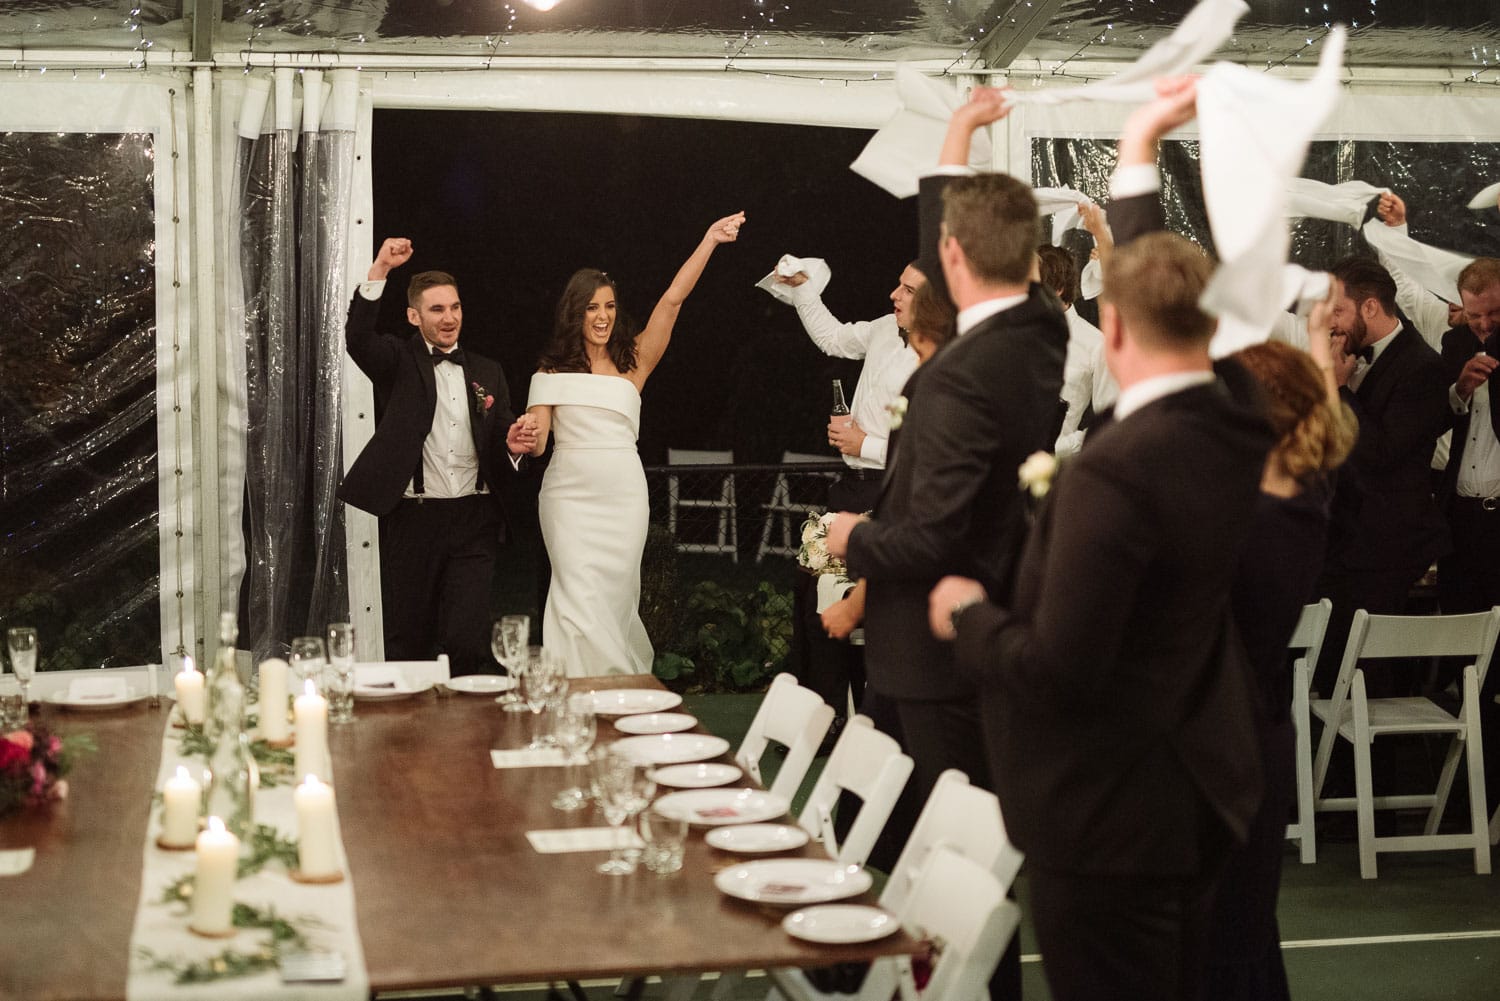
x=1410, y=421
x=376, y=356
x=1136, y=216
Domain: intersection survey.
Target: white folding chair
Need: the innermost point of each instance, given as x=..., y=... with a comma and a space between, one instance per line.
x=1307, y=639
x=1354, y=717
x=957, y=818
x=956, y=902
x=869, y=764
x=723, y=502
x=796, y=718
x=785, y=516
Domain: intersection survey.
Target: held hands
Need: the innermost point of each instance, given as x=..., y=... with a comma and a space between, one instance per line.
x=727, y=229
x=839, y=530
x=394, y=252
x=1391, y=209
x=520, y=437
x=845, y=435
x=1476, y=372
x=1176, y=104
x=951, y=594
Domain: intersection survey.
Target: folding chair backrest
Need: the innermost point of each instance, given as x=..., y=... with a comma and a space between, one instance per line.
x=960, y=905
x=869, y=764
x=794, y=458
x=1311, y=628
x=1377, y=637
x=796, y=718
x=961, y=818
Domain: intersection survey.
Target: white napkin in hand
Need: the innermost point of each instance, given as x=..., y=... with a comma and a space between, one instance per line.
x=907, y=146
x=818, y=275
x=98, y=690
x=383, y=677
x=1062, y=205
x=1300, y=290
x=1432, y=268
x=1345, y=203
x=1485, y=199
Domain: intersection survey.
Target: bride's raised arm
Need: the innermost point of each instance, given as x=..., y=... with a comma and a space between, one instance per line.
x=651, y=343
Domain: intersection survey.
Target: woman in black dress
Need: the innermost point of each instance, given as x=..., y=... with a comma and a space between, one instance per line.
x=1278, y=574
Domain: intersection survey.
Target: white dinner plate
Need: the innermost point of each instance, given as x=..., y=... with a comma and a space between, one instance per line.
x=370, y=693
x=481, y=684
x=792, y=881
x=840, y=924
x=656, y=723
x=757, y=839
x=719, y=807
x=701, y=775
x=629, y=701
x=96, y=703
x=671, y=748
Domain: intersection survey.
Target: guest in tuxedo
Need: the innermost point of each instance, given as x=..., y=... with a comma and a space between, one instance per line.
x=431, y=471
x=1118, y=714
x=1385, y=530
x=1469, y=578
x=1278, y=574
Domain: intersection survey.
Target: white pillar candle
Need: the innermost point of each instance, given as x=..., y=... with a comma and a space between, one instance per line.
x=181, y=798
x=213, y=886
x=317, y=843
x=273, y=722
x=190, y=693
x=311, y=714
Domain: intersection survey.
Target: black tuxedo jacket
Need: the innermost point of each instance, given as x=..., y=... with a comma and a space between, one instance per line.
x=1459, y=345
x=406, y=398
x=1383, y=515
x=950, y=502
x=1116, y=700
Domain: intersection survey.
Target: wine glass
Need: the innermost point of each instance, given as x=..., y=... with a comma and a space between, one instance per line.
x=508, y=639
x=626, y=789
x=22, y=643
x=574, y=728
x=542, y=681
x=307, y=660
x=340, y=672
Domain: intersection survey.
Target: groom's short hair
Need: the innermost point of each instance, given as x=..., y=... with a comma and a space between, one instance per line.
x=994, y=219
x=1155, y=282
x=424, y=280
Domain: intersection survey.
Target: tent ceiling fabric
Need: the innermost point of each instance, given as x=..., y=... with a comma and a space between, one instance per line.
x=1456, y=34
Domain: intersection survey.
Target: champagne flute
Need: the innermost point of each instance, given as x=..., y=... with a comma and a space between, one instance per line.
x=574, y=729
x=307, y=659
x=508, y=640
x=22, y=643
x=539, y=685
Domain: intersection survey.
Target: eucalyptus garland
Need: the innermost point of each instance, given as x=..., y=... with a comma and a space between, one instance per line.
x=276, y=764
x=265, y=845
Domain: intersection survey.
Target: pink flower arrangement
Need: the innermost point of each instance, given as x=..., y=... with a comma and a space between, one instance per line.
x=482, y=400
x=33, y=762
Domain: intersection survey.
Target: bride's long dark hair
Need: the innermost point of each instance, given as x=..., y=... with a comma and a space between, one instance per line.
x=565, y=352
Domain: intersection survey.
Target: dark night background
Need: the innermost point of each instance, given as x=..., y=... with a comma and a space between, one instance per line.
x=512, y=203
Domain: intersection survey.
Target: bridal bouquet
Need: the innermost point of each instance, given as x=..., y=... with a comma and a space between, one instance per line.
x=813, y=553
x=33, y=761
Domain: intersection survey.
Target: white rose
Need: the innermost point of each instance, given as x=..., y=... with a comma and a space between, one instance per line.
x=826, y=521
x=1036, y=473
x=817, y=559
x=897, y=409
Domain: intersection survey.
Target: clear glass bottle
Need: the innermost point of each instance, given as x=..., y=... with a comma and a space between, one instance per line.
x=233, y=776
x=840, y=408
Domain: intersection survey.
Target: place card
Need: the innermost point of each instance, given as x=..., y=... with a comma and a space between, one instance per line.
x=583, y=839
x=13, y=863
x=526, y=757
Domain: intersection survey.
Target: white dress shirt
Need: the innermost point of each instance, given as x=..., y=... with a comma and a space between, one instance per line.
x=1150, y=390
x=1480, y=475
x=1362, y=367
x=889, y=362
x=450, y=465
x=1086, y=380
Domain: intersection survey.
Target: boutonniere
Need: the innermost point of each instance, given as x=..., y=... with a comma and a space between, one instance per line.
x=482, y=400
x=1036, y=473
x=897, y=409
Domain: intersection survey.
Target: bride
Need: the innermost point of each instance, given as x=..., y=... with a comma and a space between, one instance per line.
x=593, y=505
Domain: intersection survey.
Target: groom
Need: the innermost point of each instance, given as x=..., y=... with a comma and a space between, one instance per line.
x=431, y=472
x=1115, y=698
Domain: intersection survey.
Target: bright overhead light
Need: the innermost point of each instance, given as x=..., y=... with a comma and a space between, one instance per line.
x=542, y=4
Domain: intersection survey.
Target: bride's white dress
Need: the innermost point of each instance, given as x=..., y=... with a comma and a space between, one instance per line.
x=594, y=510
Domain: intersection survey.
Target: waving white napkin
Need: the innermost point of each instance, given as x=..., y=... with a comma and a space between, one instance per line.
x=1062, y=205
x=816, y=269
x=1433, y=269
x=1206, y=27
x=1255, y=131
x=1345, y=203
x=1300, y=289
x=907, y=146
x=1486, y=198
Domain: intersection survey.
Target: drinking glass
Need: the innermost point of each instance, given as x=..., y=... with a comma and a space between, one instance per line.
x=13, y=714
x=307, y=660
x=627, y=790
x=666, y=840
x=574, y=728
x=22, y=644
x=340, y=672
x=508, y=640
x=540, y=684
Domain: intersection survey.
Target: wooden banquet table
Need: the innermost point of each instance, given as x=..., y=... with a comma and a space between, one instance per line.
x=448, y=891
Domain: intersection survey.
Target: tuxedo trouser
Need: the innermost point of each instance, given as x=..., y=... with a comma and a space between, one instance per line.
x=437, y=567
x=1126, y=937
x=1469, y=581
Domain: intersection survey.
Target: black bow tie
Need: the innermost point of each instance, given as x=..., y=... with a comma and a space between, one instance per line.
x=456, y=356
x=1367, y=353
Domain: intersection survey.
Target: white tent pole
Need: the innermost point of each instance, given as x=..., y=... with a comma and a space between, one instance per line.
x=205, y=350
